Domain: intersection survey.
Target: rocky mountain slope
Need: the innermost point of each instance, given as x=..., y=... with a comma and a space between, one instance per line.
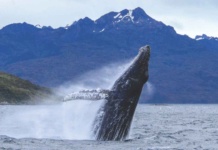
x=182, y=69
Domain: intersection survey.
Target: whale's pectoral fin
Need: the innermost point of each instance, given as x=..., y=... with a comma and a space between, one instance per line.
x=87, y=95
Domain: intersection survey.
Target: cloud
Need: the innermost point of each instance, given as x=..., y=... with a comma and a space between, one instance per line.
x=192, y=17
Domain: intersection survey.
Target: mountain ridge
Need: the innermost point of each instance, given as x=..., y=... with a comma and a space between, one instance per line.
x=64, y=53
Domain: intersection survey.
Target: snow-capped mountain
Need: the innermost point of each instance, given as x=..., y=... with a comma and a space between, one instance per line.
x=136, y=16
x=117, y=20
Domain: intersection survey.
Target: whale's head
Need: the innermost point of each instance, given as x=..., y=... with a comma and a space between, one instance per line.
x=139, y=68
x=136, y=75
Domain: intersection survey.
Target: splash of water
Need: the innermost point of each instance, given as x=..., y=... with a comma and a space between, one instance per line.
x=148, y=92
x=69, y=120
x=102, y=78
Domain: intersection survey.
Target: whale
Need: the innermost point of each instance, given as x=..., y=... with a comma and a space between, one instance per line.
x=114, y=118
x=122, y=100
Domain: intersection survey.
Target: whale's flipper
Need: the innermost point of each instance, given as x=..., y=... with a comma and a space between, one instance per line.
x=98, y=94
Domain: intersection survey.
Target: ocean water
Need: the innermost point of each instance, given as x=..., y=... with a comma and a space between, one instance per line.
x=68, y=126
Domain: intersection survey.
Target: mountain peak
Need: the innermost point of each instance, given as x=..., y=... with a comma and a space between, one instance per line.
x=123, y=12
x=139, y=13
x=136, y=17
x=139, y=9
x=38, y=26
x=19, y=27
x=86, y=20
x=205, y=37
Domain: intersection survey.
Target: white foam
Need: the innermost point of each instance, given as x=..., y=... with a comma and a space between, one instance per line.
x=71, y=120
x=68, y=120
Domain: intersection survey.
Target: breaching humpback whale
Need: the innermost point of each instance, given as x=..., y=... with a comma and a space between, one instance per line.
x=121, y=101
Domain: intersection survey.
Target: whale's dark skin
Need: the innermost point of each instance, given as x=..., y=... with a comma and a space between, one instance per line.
x=123, y=98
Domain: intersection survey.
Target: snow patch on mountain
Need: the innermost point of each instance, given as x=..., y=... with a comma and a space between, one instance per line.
x=129, y=15
x=205, y=37
x=38, y=26
x=118, y=15
x=67, y=26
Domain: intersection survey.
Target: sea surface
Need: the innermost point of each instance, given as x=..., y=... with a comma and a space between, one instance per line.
x=155, y=127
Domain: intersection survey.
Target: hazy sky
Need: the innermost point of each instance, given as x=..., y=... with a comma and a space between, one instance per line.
x=191, y=17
